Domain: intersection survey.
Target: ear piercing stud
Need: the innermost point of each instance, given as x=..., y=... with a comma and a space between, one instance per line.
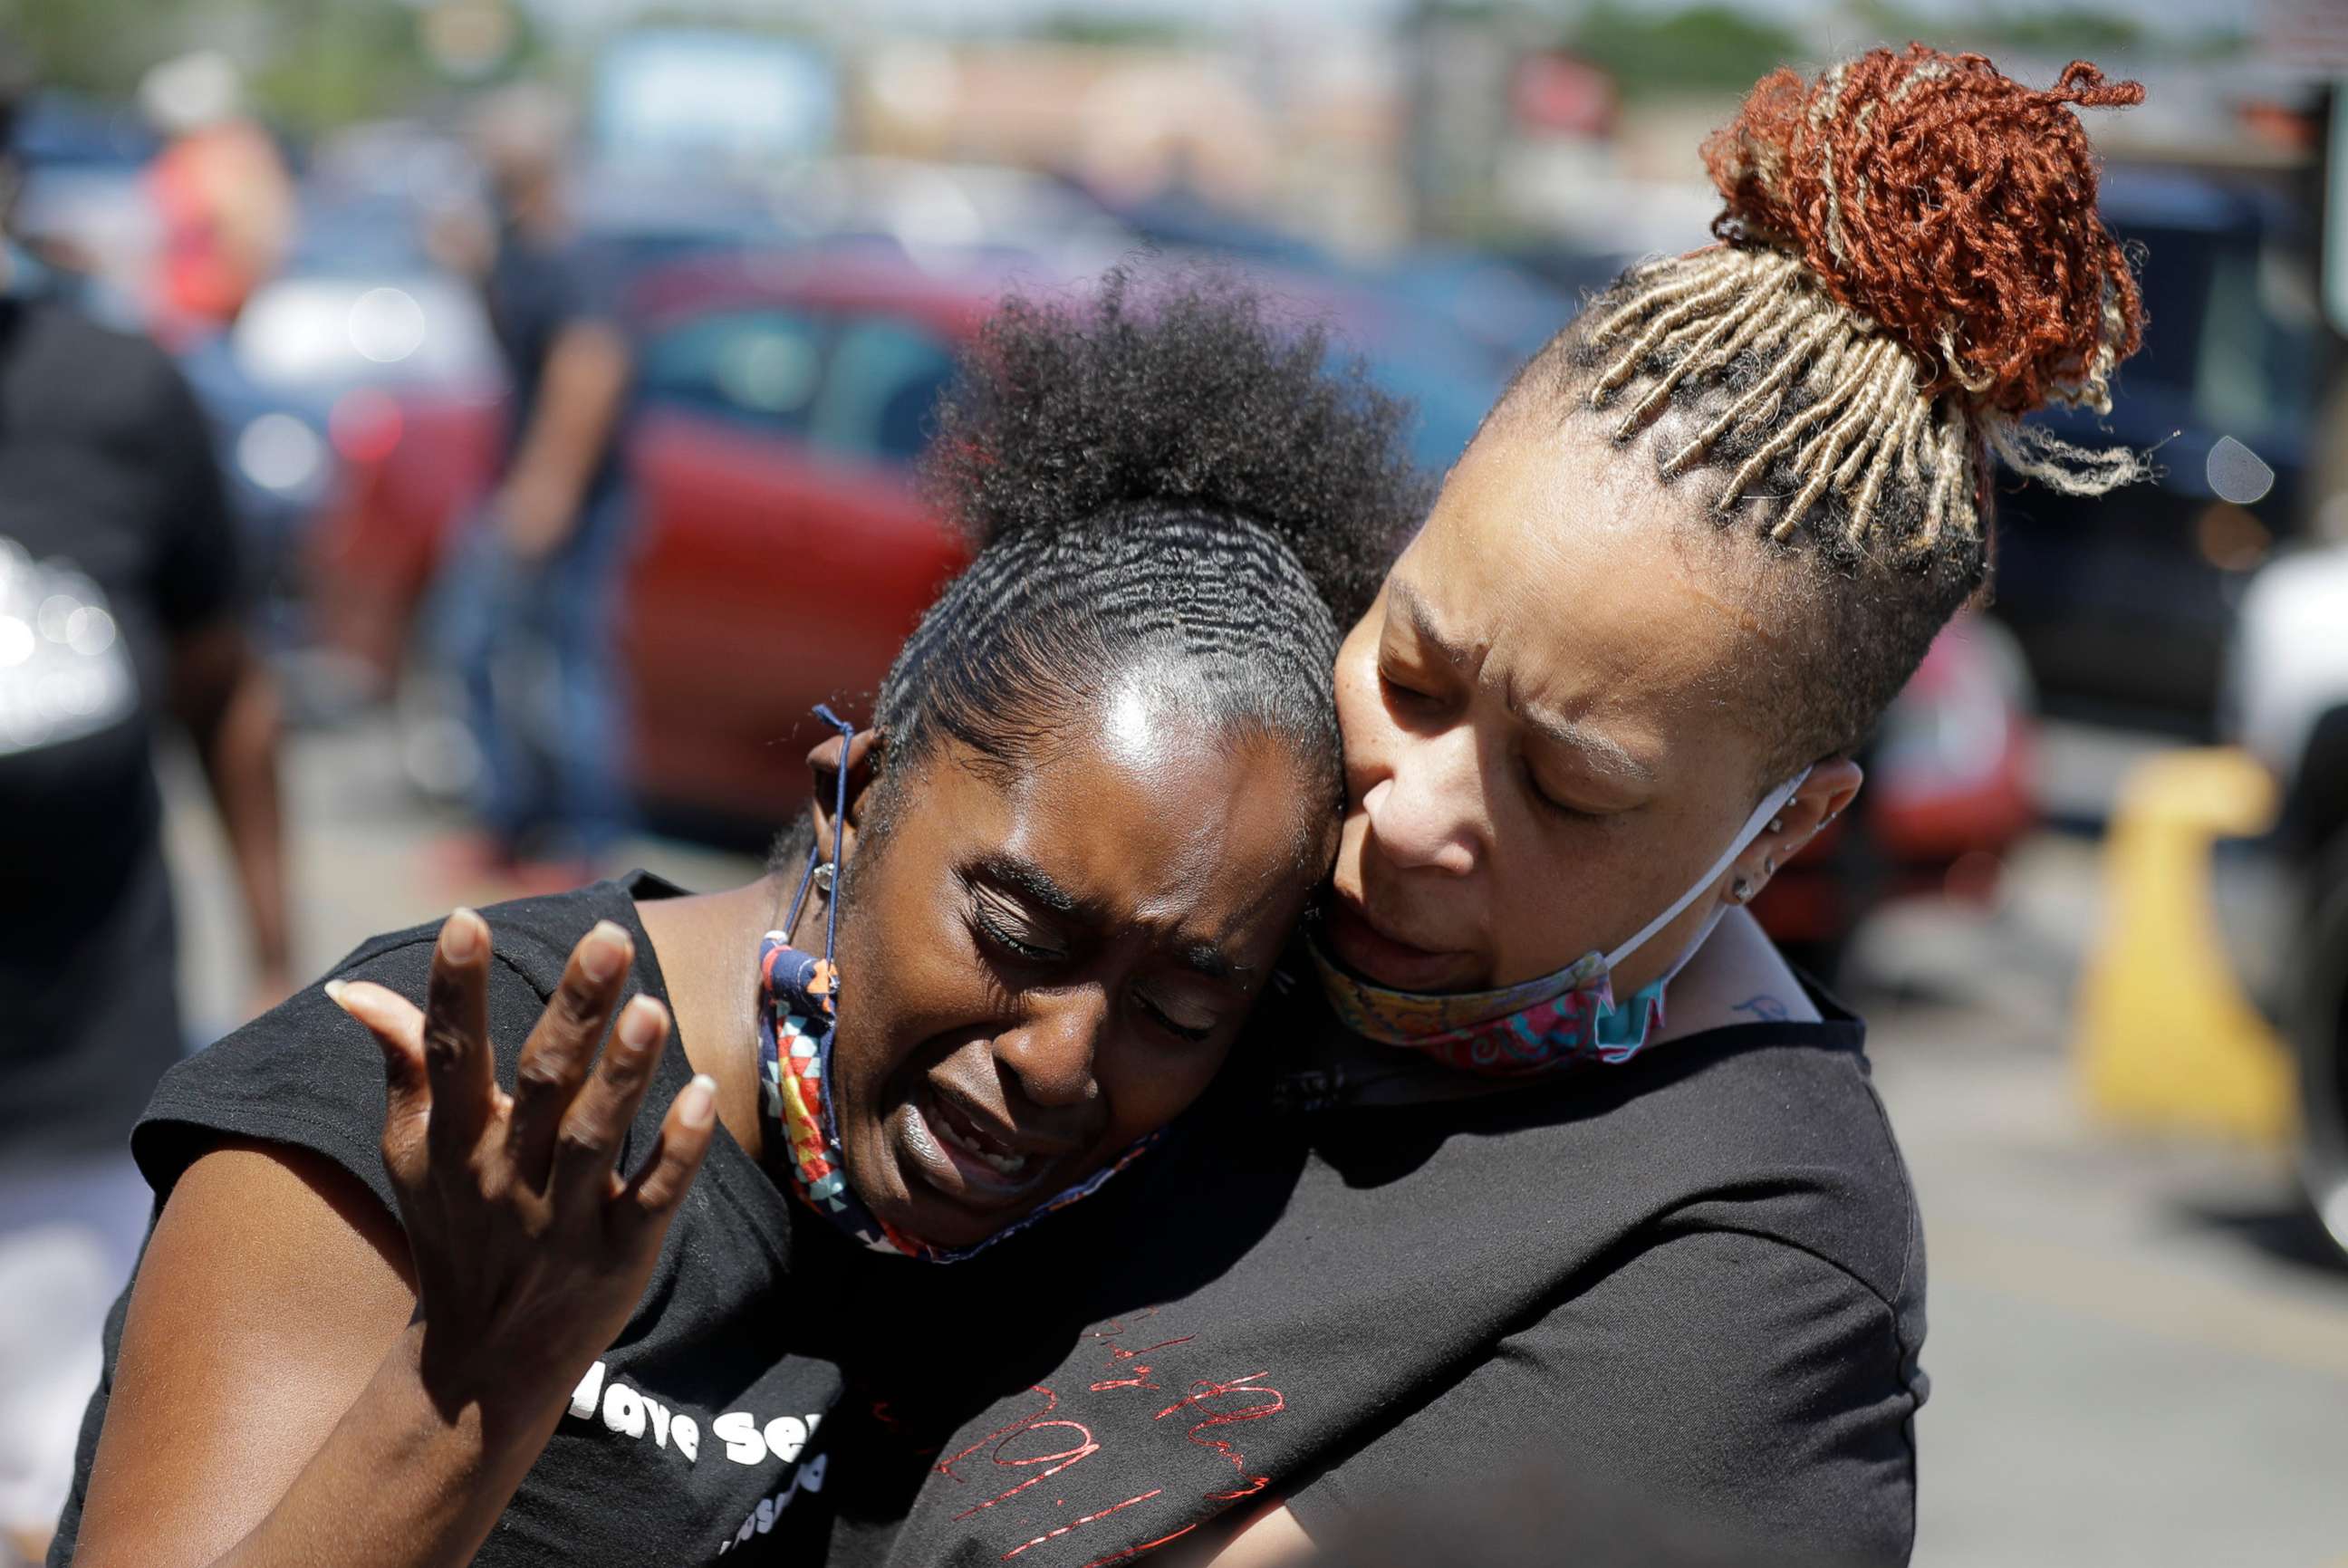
x=1741, y=890
x=823, y=874
x=1776, y=824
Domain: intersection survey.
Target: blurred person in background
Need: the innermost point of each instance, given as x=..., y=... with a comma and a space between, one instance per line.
x=528, y=605
x=119, y=611
x=221, y=190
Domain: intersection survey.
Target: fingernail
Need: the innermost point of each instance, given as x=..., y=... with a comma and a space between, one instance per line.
x=638, y=1024
x=458, y=935
x=604, y=951
x=697, y=1106
x=334, y=990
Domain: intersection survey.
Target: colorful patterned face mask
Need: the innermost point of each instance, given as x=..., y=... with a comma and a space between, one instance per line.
x=1539, y=1025
x=799, y=996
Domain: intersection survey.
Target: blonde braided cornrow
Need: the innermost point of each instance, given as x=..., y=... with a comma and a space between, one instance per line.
x=1754, y=320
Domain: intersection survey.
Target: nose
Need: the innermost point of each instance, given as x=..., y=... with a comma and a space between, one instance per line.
x=1051, y=1052
x=1424, y=813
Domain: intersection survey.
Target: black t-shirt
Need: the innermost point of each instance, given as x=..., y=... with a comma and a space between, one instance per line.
x=700, y=1434
x=1695, y=1281
x=115, y=538
x=536, y=289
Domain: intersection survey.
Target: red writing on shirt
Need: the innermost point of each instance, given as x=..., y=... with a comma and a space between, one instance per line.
x=1047, y=1441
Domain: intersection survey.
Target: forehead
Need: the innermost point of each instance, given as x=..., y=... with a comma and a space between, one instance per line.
x=1154, y=818
x=1561, y=563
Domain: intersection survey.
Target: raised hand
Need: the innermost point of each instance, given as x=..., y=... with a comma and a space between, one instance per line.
x=530, y=1247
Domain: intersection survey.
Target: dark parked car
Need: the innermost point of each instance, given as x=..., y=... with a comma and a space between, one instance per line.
x=2123, y=604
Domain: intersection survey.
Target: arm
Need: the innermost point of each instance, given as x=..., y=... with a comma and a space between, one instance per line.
x=222, y=693
x=1714, y=1391
x=586, y=382
x=342, y=1393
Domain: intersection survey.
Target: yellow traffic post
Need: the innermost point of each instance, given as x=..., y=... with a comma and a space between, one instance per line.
x=2166, y=1038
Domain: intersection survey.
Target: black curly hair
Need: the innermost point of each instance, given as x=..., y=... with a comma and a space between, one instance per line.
x=1161, y=482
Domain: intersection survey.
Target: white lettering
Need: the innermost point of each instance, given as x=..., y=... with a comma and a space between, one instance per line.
x=786, y=1435
x=766, y=1514
x=815, y=1419
x=582, y=1397
x=811, y=1478
x=624, y=1410
x=740, y=1430
x=687, y=1433
x=660, y=1421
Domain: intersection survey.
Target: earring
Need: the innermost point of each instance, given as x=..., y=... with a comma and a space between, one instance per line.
x=1741, y=890
x=1776, y=824
x=1769, y=865
x=823, y=878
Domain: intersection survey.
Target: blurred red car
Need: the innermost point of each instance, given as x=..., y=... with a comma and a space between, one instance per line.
x=783, y=553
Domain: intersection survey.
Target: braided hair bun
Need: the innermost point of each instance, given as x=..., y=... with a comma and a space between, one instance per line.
x=1950, y=205
x=1161, y=486
x=1910, y=265
x=1185, y=393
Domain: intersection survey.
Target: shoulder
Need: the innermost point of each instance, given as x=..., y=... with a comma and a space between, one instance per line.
x=1708, y=1375
x=306, y=1075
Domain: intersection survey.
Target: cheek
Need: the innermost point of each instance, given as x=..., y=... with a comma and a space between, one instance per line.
x=905, y=978
x=1149, y=1086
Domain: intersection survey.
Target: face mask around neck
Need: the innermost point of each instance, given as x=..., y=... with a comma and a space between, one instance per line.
x=1552, y=1021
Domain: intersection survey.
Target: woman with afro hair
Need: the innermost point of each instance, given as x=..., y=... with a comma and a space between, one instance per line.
x=471, y=1291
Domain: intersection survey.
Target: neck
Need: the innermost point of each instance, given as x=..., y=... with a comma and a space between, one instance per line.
x=1737, y=976
x=708, y=950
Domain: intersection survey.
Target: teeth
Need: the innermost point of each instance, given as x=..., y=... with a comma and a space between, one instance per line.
x=1001, y=1164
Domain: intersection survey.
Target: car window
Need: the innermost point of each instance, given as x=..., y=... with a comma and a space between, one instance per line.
x=885, y=378
x=763, y=366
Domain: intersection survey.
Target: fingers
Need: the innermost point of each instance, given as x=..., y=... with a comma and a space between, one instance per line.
x=554, y=1060
x=457, y=1060
x=599, y=1116
x=397, y=1026
x=652, y=1195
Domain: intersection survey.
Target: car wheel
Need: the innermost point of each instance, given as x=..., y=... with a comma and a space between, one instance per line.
x=2319, y=1034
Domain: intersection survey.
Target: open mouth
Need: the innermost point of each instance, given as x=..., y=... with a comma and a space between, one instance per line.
x=962, y=1134
x=970, y=1156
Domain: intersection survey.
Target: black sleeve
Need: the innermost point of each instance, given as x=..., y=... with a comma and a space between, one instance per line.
x=198, y=570
x=1717, y=1378
x=305, y=1073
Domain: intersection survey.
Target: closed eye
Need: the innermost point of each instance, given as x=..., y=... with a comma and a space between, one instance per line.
x=1001, y=926
x=1167, y=1021
x=1398, y=690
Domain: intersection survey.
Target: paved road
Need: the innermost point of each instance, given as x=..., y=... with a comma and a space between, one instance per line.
x=2138, y=1352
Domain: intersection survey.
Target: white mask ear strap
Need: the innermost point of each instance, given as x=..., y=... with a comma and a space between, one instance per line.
x=1771, y=804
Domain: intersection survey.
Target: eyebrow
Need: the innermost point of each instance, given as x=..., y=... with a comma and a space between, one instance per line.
x=1603, y=751
x=1416, y=611
x=1211, y=961
x=1031, y=882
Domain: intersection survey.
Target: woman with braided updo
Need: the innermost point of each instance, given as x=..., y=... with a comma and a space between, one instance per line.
x=1591, y=1184
x=570, y=1312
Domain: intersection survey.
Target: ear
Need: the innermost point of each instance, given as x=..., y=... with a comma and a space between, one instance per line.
x=1825, y=795
x=862, y=758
